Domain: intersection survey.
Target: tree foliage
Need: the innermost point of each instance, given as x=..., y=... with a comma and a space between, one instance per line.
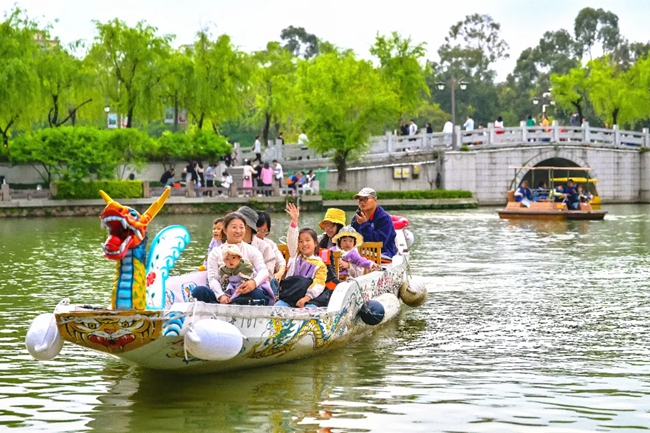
x=126, y=58
x=401, y=63
x=344, y=100
x=300, y=43
x=596, y=25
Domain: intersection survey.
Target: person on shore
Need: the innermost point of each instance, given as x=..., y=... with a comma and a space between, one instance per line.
x=307, y=273
x=281, y=138
x=257, y=178
x=331, y=224
x=266, y=177
x=167, y=177
x=257, y=149
x=263, y=230
x=226, y=181
x=293, y=182
x=234, y=230
x=351, y=264
x=429, y=128
x=249, y=171
x=448, y=129
x=374, y=223
x=279, y=174
x=303, y=140
x=469, y=124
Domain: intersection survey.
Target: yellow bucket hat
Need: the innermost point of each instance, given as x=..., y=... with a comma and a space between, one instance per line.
x=333, y=215
x=348, y=231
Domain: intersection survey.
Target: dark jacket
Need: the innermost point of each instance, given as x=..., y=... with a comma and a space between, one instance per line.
x=379, y=229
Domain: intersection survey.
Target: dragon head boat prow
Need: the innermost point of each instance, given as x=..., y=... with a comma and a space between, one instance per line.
x=127, y=229
x=126, y=243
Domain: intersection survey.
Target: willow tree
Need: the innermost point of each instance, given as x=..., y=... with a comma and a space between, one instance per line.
x=19, y=86
x=274, y=82
x=570, y=90
x=401, y=62
x=221, y=80
x=345, y=100
x=611, y=92
x=67, y=84
x=126, y=58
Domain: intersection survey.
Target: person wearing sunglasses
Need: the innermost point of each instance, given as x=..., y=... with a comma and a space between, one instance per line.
x=374, y=223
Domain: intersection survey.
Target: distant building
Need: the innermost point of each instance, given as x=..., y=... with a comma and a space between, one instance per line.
x=39, y=39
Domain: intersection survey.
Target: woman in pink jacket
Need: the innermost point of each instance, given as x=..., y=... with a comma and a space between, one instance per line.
x=267, y=177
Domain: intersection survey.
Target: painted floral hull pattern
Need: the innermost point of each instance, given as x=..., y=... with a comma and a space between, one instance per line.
x=154, y=339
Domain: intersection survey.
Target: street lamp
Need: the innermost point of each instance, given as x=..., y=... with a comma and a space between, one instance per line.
x=452, y=84
x=546, y=97
x=107, y=109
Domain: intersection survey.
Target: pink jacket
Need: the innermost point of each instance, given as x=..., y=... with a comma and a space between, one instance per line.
x=267, y=176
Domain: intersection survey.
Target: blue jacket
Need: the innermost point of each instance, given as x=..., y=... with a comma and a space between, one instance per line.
x=379, y=229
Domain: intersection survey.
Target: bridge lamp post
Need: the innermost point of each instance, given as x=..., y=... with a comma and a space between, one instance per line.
x=546, y=97
x=453, y=82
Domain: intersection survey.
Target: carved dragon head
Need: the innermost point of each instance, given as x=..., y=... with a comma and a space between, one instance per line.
x=127, y=228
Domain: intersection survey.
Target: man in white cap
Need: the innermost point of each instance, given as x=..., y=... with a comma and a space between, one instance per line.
x=374, y=223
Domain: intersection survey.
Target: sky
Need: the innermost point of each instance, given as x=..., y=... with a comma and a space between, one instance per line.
x=348, y=24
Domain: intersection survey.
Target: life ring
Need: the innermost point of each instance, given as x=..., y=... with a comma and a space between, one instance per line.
x=399, y=222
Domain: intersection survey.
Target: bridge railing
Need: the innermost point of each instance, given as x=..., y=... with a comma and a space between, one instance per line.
x=389, y=144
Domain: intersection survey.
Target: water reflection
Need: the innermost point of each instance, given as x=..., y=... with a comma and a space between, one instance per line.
x=528, y=325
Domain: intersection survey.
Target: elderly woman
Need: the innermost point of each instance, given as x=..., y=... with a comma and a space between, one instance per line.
x=250, y=292
x=333, y=222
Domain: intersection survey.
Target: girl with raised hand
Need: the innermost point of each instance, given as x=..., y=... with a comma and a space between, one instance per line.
x=307, y=273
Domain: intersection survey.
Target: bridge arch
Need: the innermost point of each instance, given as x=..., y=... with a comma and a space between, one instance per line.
x=556, y=158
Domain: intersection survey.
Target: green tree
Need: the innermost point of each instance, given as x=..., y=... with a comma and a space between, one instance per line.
x=176, y=82
x=596, y=25
x=221, y=79
x=473, y=45
x=274, y=84
x=345, y=100
x=126, y=57
x=401, y=63
x=570, y=90
x=297, y=38
x=19, y=86
x=66, y=84
x=130, y=148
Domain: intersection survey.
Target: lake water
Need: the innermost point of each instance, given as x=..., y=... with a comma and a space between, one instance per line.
x=529, y=326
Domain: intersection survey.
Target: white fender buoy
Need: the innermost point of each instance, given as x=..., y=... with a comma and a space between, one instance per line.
x=213, y=340
x=413, y=293
x=409, y=236
x=43, y=340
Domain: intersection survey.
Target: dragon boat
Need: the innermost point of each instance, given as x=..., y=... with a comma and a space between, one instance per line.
x=154, y=322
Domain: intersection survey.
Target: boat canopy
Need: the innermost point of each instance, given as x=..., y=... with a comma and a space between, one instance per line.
x=575, y=179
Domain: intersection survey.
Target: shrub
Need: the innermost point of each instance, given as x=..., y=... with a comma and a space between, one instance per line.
x=90, y=190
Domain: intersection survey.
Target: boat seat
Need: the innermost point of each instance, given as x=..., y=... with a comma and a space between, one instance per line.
x=336, y=257
x=284, y=249
x=371, y=251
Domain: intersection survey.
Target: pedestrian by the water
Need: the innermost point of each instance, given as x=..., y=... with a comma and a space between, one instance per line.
x=257, y=149
x=469, y=124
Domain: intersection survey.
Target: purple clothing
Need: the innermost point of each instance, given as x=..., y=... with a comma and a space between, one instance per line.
x=234, y=282
x=354, y=259
x=213, y=244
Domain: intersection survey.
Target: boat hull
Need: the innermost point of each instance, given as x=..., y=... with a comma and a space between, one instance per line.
x=552, y=215
x=155, y=339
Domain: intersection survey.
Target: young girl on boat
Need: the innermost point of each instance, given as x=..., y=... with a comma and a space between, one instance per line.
x=307, y=268
x=351, y=264
x=217, y=227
